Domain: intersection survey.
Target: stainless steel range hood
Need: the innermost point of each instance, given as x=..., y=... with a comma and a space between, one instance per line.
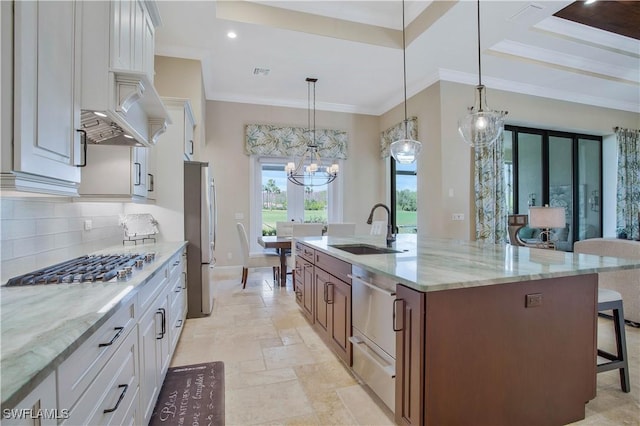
x=125, y=111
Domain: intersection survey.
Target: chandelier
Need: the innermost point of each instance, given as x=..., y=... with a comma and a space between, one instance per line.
x=310, y=170
x=405, y=151
x=482, y=126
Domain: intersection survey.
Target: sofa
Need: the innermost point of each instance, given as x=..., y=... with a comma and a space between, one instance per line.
x=625, y=282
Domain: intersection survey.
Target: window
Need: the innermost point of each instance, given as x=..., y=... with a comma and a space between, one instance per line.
x=276, y=199
x=546, y=167
x=404, y=197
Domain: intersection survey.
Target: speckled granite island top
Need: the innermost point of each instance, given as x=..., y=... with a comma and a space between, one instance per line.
x=431, y=264
x=43, y=324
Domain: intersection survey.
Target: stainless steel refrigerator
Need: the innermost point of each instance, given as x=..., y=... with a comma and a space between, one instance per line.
x=200, y=232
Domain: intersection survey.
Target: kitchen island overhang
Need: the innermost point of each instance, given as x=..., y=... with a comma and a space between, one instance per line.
x=488, y=334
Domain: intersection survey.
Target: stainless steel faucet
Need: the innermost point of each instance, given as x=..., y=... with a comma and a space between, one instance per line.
x=390, y=235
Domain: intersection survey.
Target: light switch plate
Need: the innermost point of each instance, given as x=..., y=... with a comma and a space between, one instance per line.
x=457, y=216
x=88, y=225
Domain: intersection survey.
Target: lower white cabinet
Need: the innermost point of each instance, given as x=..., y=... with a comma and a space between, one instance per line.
x=160, y=327
x=40, y=403
x=109, y=398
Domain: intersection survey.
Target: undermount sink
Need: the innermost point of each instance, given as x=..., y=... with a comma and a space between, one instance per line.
x=363, y=249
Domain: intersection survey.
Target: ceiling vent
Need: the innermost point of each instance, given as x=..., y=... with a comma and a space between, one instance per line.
x=261, y=71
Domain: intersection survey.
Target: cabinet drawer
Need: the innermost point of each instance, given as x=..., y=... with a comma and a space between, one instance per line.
x=305, y=252
x=335, y=267
x=152, y=288
x=113, y=390
x=77, y=372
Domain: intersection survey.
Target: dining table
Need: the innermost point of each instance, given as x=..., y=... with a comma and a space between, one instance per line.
x=282, y=245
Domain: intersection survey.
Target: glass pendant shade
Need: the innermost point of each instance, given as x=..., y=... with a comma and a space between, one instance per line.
x=482, y=126
x=405, y=151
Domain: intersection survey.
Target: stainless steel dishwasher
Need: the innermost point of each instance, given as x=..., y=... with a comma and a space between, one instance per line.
x=374, y=341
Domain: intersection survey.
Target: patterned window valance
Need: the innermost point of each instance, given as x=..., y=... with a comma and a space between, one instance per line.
x=397, y=132
x=274, y=141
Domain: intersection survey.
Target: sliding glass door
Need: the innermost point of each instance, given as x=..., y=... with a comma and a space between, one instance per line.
x=560, y=170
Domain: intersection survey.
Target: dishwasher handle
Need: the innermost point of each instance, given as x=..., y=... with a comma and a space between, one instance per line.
x=374, y=287
x=357, y=343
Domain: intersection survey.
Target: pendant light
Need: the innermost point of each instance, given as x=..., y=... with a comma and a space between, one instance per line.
x=405, y=151
x=310, y=171
x=482, y=126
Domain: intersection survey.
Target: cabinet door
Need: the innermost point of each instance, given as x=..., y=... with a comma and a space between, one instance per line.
x=339, y=306
x=307, y=290
x=139, y=18
x=139, y=171
x=154, y=354
x=409, y=323
x=188, y=135
x=149, y=378
x=148, y=45
x=43, y=397
x=46, y=108
x=122, y=34
x=151, y=172
x=321, y=299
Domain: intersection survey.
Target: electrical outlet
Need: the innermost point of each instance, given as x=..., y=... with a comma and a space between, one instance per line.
x=229, y=255
x=457, y=216
x=533, y=300
x=88, y=225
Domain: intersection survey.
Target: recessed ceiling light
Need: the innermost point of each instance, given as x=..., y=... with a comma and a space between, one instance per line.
x=100, y=114
x=231, y=34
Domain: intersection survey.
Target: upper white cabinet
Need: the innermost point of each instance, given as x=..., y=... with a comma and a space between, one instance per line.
x=118, y=68
x=132, y=36
x=46, y=145
x=182, y=129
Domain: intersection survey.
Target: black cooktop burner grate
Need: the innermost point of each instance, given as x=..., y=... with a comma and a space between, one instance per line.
x=88, y=268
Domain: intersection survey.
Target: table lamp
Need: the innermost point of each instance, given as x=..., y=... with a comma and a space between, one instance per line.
x=546, y=218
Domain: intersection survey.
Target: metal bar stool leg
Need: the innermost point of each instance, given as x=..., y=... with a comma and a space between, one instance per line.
x=611, y=300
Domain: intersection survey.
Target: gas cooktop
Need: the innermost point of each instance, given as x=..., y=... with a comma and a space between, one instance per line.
x=89, y=268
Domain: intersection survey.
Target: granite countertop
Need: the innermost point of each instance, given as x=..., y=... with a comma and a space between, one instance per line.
x=432, y=264
x=42, y=325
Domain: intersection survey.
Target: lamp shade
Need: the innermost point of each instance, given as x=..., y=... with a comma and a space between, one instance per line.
x=547, y=217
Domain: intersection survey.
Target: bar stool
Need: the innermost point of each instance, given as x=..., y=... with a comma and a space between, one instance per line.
x=612, y=300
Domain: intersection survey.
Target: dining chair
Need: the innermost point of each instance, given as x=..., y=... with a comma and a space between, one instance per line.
x=255, y=260
x=378, y=227
x=284, y=228
x=341, y=229
x=307, y=229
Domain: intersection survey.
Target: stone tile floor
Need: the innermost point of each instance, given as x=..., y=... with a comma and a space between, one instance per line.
x=279, y=372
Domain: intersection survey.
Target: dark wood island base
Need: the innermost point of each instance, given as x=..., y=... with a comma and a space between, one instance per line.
x=521, y=353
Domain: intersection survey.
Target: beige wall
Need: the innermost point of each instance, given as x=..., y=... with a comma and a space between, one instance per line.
x=445, y=165
x=362, y=174
x=182, y=78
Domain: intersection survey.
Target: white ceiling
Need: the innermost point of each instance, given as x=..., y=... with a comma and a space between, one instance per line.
x=354, y=48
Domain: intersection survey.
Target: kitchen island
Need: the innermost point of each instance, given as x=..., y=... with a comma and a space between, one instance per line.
x=485, y=334
x=46, y=327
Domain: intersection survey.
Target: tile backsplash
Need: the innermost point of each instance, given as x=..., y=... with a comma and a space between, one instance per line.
x=35, y=233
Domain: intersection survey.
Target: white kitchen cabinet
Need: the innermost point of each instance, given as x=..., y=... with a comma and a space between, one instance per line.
x=182, y=129
x=109, y=397
x=46, y=145
x=132, y=36
x=139, y=171
x=41, y=400
x=118, y=173
x=159, y=329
